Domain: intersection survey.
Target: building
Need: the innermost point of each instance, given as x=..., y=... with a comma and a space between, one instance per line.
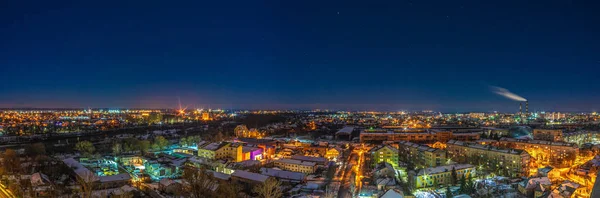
x=317, y=160
x=384, y=153
x=206, y=116
x=209, y=150
x=296, y=165
x=284, y=176
x=440, y=175
x=248, y=179
x=333, y=154
x=421, y=155
x=582, y=137
x=556, y=154
x=555, y=135
x=268, y=146
x=509, y=162
x=416, y=135
x=252, y=153
x=534, y=187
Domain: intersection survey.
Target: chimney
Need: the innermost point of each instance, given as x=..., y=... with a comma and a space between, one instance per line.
x=520, y=108
x=527, y=107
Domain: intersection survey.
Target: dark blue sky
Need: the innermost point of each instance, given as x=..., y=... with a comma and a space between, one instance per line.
x=379, y=55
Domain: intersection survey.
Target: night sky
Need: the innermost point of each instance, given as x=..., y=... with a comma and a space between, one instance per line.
x=348, y=55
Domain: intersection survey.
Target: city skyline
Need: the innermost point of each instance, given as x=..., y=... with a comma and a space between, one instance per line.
x=350, y=55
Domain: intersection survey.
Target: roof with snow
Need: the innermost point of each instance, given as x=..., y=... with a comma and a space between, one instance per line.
x=281, y=174
x=250, y=176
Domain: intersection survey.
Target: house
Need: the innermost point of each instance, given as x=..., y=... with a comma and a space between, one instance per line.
x=532, y=186
x=169, y=186
x=284, y=176
x=248, y=179
x=115, y=181
x=41, y=184
x=392, y=193
x=568, y=189
x=549, y=172
x=333, y=154
x=385, y=183
x=296, y=165
x=384, y=170
x=317, y=160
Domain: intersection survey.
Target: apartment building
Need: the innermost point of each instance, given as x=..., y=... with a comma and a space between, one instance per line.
x=421, y=155
x=508, y=162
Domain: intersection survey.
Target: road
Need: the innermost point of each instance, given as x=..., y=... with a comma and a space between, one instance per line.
x=345, y=177
x=5, y=193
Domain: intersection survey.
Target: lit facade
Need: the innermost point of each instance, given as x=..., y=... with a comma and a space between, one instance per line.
x=296, y=165
x=384, y=153
x=548, y=134
x=241, y=131
x=333, y=153
x=441, y=175
x=557, y=154
x=511, y=162
x=421, y=155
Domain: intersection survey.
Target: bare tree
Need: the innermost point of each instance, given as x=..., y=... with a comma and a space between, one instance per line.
x=86, y=184
x=227, y=190
x=269, y=189
x=199, y=183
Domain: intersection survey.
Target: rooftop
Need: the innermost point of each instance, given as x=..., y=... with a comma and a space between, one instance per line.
x=485, y=147
x=250, y=176
x=289, y=175
x=298, y=162
x=442, y=169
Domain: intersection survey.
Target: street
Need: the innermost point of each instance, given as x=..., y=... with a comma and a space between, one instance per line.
x=344, y=178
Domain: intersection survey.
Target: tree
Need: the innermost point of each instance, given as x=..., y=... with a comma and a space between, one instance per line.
x=448, y=192
x=117, y=148
x=470, y=186
x=86, y=184
x=219, y=137
x=36, y=149
x=269, y=189
x=454, y=176
x=86, y=148
x=463, y=184
x=11, y=161
x=199, y=183
x=143, y=146
x=160, y=142
x=227, y=190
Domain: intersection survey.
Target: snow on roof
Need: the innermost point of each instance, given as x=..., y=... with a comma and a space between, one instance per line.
x=346, y=130
x=297, y=162
x=81, y=170
x=310, y=159
x=247, y=149
x=212, y=146
x=289, y=175
x=250, y=176
x=166, y=181
x=531, y=183
x=222, y=176
x=392, y=193
x=38, y=179
x=113, y=178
